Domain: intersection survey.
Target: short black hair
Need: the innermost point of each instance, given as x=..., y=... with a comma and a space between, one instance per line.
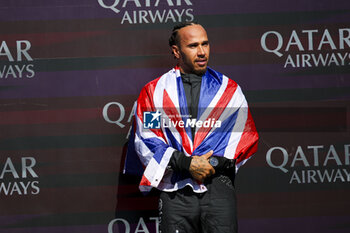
x=174, y=40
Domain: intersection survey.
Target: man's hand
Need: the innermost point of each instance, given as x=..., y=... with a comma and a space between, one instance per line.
x=200, y=167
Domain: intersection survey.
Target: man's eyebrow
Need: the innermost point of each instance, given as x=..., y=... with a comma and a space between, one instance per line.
x=194, y=43
x=197, y=43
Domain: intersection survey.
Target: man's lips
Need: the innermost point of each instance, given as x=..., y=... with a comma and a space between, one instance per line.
x=202, y=62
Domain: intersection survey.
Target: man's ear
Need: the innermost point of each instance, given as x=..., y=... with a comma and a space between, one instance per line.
x=176, y=51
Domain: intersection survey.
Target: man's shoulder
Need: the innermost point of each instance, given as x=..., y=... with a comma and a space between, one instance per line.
x=153, y=83
x=222, y=78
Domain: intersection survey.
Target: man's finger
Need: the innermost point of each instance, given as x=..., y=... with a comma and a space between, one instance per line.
x=207, y=155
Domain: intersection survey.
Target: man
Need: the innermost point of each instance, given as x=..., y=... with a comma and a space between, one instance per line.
x=203, y=134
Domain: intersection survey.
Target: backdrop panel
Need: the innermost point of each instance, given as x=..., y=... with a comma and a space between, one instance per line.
x=70, y=72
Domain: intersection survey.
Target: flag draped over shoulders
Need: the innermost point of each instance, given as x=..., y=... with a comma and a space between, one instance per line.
x=224, y=125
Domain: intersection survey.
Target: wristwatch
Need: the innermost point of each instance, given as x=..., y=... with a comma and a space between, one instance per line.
x=222, y=164
x=213, y=161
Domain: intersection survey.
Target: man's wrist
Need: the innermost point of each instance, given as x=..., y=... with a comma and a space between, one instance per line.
x=222, y=164
x=186, y=162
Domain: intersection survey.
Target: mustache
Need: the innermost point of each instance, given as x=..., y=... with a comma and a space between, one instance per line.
x=201, y=59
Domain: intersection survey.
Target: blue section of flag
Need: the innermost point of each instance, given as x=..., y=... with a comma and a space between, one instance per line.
x=132, y=164
x=211, y=83
x=156, y=146
x=172, y=140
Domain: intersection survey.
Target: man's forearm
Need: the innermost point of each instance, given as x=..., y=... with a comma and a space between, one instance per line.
x=179, y=162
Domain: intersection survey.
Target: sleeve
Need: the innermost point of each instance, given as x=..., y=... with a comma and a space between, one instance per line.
x=179, y=162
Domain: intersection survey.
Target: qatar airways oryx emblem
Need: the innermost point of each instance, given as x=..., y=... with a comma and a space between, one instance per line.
x=151, y=120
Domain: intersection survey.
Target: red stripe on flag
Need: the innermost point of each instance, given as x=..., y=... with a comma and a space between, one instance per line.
x=144, y=181
x=145, y=104
x=248, y=143
x=173, y=115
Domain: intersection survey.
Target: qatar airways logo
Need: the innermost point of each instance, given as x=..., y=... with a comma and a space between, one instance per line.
x=309, y=48
x=150, y=11
x=18, y=179
x=312, y=164
x=122, y=225
x=153, y=120
x=18, y=63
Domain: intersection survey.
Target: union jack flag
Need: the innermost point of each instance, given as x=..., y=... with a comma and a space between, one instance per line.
x=221, y=100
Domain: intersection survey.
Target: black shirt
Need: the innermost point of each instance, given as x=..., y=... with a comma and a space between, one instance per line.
x=192, y=86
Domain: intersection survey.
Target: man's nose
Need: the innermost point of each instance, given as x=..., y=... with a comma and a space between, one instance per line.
x=200, y=51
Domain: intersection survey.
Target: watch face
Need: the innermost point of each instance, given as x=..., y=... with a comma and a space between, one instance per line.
x=213, y=161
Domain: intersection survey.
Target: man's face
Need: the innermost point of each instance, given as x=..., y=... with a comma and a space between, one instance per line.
x=192, y=50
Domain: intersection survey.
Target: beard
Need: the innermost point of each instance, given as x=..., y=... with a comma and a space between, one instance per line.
x=190, y=67
x=200, y=71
